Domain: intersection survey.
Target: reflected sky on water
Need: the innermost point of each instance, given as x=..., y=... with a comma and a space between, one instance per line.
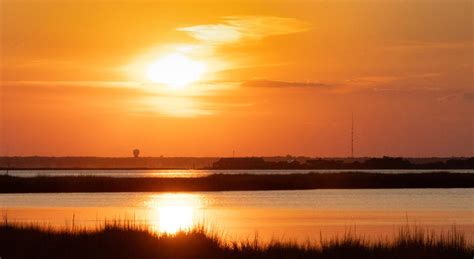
x=300, y=215
x=194, y=173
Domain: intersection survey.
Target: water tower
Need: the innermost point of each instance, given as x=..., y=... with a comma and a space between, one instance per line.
x=136, y=152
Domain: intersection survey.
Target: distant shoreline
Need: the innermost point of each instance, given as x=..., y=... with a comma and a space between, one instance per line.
x=234, y=163
x=235, y=182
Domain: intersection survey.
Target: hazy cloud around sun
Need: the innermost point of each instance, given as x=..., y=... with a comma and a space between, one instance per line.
x=238, y=28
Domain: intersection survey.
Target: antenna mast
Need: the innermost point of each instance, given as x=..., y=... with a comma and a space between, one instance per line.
x=352, y=136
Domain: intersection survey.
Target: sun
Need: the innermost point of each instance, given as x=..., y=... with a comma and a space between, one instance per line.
x=172, y=212
x=175, y=218
x=175, y=70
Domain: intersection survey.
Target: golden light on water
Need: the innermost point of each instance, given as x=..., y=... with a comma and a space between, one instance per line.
x=175, y=218
x=173, y=212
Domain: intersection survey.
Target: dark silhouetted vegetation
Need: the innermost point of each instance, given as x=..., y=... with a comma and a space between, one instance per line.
x=237, y=182
x=125, y=239
x=277, y=162
x=370, y=163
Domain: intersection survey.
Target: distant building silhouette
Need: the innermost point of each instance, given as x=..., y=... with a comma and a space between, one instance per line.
x=352, y=136
x=136, y=153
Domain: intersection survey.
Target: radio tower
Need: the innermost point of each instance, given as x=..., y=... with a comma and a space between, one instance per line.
x=352, y=136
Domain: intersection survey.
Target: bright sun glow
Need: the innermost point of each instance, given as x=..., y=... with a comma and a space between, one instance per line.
x=175, y=218
x=172, y=212
x=175, y=70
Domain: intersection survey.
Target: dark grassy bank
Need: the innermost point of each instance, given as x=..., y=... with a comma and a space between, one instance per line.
x=221, y=182
x=127, y=240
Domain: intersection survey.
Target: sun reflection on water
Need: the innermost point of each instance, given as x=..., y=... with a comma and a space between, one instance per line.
x=172, y=212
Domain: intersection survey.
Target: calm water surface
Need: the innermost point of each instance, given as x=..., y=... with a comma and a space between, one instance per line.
x=296, y=215
x=194, y=173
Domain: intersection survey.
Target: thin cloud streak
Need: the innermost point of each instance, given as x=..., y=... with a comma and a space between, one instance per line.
x=240, y=28
x=274, y=83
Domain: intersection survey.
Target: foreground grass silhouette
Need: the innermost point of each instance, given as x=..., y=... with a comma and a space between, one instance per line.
x=125, y=239
x=237, y=182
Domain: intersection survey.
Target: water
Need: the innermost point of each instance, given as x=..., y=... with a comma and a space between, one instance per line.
x=194, y=173
x=298, y=215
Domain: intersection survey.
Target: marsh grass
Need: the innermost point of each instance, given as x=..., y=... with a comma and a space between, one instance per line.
x=131, y=239
x=235, y=182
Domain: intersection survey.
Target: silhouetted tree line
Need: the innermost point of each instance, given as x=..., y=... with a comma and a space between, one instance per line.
x=288, y=162
x=372, y=163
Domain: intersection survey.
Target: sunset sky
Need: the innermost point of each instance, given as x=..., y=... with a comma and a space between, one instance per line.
x=203, y=78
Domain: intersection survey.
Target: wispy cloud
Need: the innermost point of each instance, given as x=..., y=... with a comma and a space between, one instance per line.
x=199, y=98
x=124, y=84
x=457, y=96
x=238, y=28
x=274, y=83
x=90, y=89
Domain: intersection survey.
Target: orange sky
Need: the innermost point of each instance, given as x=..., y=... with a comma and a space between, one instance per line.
x=280, y=77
